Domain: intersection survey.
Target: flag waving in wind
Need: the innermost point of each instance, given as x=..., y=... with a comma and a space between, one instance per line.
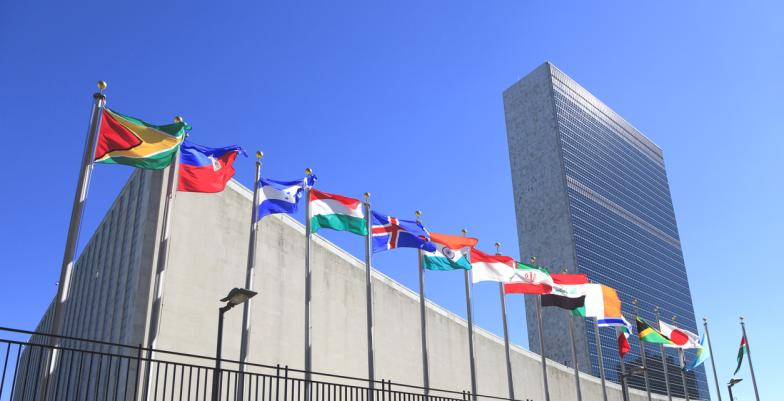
x=279, y=196
x=390, y=233
x=680, y=338
x=126, y=140
x=204, y=169
x=452, y=252
x=648, y=334
x=485, y=267
x=702, y=355
x=744, y=349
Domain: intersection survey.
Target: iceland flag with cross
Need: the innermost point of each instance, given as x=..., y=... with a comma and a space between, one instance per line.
x=390, y=233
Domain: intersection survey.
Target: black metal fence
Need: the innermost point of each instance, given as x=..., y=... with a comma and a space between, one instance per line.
x=35, y=369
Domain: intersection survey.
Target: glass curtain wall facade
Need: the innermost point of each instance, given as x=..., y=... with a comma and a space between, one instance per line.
x=623, y=230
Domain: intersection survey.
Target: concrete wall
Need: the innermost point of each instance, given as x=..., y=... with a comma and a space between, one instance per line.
x=209, y=256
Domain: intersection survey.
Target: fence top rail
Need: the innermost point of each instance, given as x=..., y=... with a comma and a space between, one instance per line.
x=139, y=348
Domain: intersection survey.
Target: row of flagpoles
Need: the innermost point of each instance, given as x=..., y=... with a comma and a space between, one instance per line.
x=114, y=138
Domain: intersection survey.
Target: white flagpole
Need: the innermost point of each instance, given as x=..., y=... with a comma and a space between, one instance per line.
x=369, y=297
x=470, y=318
x=308, y=344
x=748, y=352
x=713, y=364
x=600, y=357
x=423, y=319
x=541, y=340
x=664, y=361
x=250, y=274
x=77, y=210
x=509, y=378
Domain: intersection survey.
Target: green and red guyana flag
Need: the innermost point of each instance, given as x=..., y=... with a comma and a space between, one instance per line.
x=744, y=349
x=133, y=142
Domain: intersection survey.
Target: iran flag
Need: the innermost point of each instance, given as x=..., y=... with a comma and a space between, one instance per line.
x=680, y=338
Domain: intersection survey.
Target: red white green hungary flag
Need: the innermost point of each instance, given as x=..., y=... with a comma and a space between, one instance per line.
x=336, y=212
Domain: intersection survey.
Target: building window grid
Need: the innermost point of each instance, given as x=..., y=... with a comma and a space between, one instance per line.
x=659, y=213
x=577, y=189
x=622, y=197
x=654, y=176
x=606, y=115
x=612, y=245
x=654, y=205
x=571, y=113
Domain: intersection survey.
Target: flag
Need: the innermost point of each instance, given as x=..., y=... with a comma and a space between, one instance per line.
x=680, y=338
x=204, y=169
x=278, y=196
x=648, y=334
x=336, y=212
x=567, y=291
x=133, y=142
x=602, y=302
x=744, y=349
x=390, y=233
x=623, y=341
x=533, y=274
x=568, y=297
x=522, y=287
x=486, y=267
x=702, y=354
x=452, y=252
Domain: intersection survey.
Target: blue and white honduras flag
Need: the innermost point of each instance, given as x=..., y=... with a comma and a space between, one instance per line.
x=279, y=196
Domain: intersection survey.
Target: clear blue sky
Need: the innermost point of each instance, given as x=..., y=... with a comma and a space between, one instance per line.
x=403, y=99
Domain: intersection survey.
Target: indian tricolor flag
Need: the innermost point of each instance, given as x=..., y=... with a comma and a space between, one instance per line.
x=452, y=252
x=336, y=212
x=133, y=142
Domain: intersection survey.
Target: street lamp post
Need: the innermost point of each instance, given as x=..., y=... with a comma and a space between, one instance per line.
x=732, y=382
x=237, y=296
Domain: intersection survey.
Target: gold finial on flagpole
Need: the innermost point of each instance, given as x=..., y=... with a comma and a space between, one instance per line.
x=705, y=320
x=101, y=85
x=259, y=154
x=308, y=172
x=656, y=308
x=178, y=119
x=674, y=318
x=497, y=248
x=418, y=214
x=533, y=260
x=367, y=196
x=464, y=231
x=741, y=318
x=634, y=301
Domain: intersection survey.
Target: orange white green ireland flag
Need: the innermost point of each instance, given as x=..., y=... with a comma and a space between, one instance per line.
x=133, y=142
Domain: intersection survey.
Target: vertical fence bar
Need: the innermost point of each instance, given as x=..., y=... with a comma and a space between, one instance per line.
x=5, y=365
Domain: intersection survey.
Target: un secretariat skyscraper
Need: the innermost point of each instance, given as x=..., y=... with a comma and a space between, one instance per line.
x=591, y=196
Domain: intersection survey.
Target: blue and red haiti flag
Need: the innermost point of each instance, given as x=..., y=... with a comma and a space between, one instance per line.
x=389, y=233
x=204, y=169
